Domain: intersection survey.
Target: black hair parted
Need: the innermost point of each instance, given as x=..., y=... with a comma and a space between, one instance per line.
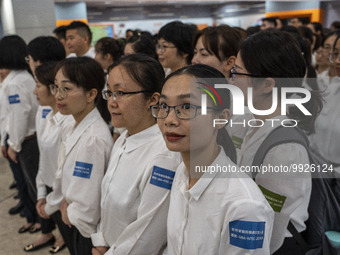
x=88, y=74
x=46, y=48
x=144, y=44
x=222, y=41
x=108, y=45
x=44, y=73
x=13, y=51
x=144, y=70
x=180, y=35
x=85, y=72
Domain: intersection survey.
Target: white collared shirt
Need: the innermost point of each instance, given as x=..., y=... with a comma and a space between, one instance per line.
x=90, y=53
x=82, y=162
x=326, y=139
x=19, y=107
x=49, y=134
x=292, y=190
x=218, y=214
x=136, y=193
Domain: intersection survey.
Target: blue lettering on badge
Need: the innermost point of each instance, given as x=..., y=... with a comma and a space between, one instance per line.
x=14, y=99
x=247, y=234
x=45, y=112
x=83, y=170
x=162, y=177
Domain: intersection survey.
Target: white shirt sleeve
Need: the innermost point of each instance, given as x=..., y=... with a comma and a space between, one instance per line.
x=290, y=190
x=83, y=194
x=54, y=198
x=147, y=234
x=41, y=188
x=243, y=215
x=19, y=109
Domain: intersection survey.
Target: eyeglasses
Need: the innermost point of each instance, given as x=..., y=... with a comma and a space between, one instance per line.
x=234, y=73
x=27, y=59
x=334, y=57
x=162, y=48
x=326, y=48
x=182, y=111
x=63, y=91
x=107, y=94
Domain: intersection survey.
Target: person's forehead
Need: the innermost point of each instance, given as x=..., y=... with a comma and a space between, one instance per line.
x=71, y=31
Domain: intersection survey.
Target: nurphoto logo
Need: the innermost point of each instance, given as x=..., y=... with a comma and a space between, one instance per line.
x=237, y=99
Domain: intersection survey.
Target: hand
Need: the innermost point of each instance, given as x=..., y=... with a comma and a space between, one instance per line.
x=4, y=151
x=12, y=154
x=41, y=208
x=99, y=250
x=63, y=210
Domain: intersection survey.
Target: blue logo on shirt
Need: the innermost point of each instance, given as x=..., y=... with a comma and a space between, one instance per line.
x=83, y=170
x=247, y=234
x=162, y=177
x=14, y=99
x=45, y=112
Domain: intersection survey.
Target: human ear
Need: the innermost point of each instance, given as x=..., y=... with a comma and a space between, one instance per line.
x=92, y=94
x=269, y=84
x=228, y=64
x=107, y=57
x=224, y=115
x=154, y=99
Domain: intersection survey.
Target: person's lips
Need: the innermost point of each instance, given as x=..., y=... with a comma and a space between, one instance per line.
x=173, y=137
x=59, y=106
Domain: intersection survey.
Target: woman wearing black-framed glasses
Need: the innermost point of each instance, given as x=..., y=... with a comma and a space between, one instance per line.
x=136, y=187
x=275, y=58
x=207, y=208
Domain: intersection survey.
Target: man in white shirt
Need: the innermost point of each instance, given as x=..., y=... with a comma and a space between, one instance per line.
x=78, y=39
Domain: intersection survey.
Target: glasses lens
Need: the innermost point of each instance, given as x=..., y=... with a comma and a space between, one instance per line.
x=53, y=89
x=160, y=111
x=104, y=94
x=185, y=111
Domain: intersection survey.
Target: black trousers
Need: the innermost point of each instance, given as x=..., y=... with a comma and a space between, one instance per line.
x=21, y=179
x=75, y=242
x=47, y=225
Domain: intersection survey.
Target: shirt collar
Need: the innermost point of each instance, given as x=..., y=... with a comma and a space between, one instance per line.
x=202, y=184
x=57, y=118
x=141, y=138
x=197, y=190
x=90, y=118
x=9, y=77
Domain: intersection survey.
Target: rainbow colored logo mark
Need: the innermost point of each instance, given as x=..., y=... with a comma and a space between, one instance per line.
x=209, y=93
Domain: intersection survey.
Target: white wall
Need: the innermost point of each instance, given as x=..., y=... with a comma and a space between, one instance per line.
x=242, y=21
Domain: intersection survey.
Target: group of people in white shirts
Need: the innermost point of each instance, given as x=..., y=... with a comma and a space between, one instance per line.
x=140, y=194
